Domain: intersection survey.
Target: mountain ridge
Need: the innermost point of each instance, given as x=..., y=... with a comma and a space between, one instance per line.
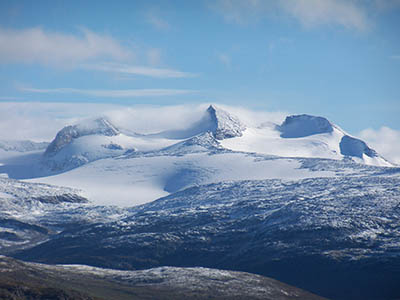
x=300, y=136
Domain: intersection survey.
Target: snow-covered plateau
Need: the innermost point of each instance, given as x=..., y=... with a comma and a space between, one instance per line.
x=302, y=201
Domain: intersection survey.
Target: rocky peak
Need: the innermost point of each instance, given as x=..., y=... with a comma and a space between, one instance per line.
x=224, y=125
x=99, y=126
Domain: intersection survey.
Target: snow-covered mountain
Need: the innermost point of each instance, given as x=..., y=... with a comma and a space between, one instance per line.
x=22, y=146
x=230, y=195
x=91, y=140
x=297, y=136
x=116, y=166
x=85, y=142
x=305, y=136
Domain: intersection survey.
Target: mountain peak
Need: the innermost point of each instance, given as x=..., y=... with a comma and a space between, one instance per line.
x=304, y=125
x=224, y=125
x=99, y=126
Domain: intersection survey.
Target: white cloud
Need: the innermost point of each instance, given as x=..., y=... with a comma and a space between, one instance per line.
x=320, y=12
x=142, y=118
x=255, y=118
x=40, y=121
x=310, y=13
x=238, y=11
x=34, y=45
x=111, y=93
x=138, y=70
x=153, y=119
x=385, y=141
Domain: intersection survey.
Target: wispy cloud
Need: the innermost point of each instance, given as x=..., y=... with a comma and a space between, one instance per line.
x=224, y=59
x=237, y=11
x=8, y=98
x=112, y=93
x=34, y=45
x=322, y=12
x=138, y=70
x=395, y=57
x=310, y=13
x=42, y=120
x=156, y=21
x=384, y=140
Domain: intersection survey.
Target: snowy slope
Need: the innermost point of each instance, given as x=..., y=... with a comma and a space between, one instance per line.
x=305, y=136
x=297, y=136
x=143, y=177
x=85, y=142
x=120, y=167
x=23, y=204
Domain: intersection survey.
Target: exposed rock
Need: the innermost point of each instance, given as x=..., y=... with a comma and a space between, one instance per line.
x=304, y=125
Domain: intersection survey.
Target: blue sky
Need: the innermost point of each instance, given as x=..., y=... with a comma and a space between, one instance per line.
x=339, y=59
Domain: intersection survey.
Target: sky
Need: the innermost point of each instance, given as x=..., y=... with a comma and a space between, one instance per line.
x=334, y=58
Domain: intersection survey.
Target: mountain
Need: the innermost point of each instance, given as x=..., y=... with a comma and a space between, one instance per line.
x=22, y=146
x=297, y=136
x=220, y=123
x=69, y=133
x=225, y=125
x=136, y=168
x=38, y=281
x=79, y=144
x=305, y=136
x=302, y=201
x=344, y=228
x=23, y=206
x=305, y=125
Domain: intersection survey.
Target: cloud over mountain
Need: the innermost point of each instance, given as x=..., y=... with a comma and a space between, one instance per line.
x=57, y=48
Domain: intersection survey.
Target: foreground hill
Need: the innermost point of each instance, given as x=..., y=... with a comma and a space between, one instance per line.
x=20, y=280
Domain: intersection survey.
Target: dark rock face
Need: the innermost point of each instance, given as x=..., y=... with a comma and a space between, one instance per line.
x=350, y=146
x=63, y=198
x=67, y=134
x=304, y=125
